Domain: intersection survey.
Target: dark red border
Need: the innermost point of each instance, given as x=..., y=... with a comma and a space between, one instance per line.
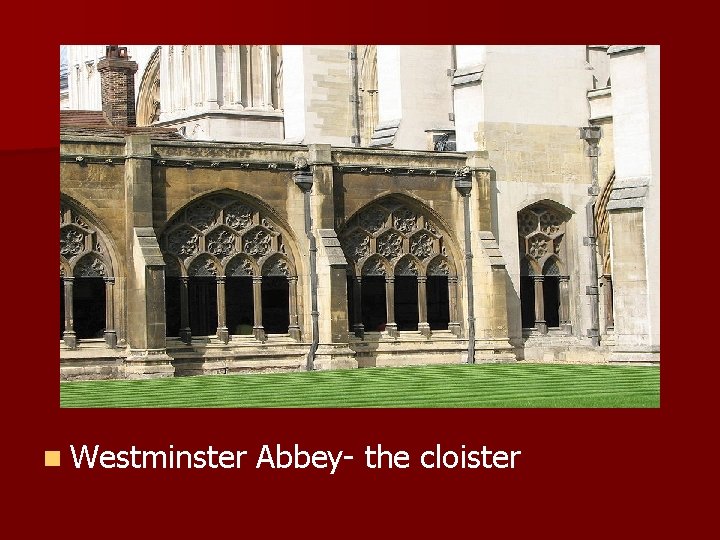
x=585, y=472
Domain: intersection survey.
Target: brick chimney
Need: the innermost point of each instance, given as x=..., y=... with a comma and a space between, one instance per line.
x=117, y=79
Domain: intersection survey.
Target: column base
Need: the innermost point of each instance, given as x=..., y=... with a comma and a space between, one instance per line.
x=295, y=333
x=455, y=328
x=70, y=339
x=186, y=336
x=148, y=364
x=111, y=338
x=391, y=329
x=259, y=333
x=223, y=334
x=566, y=328
x=541, y=326
x=424, y=329
x=334, y=357
x=359, y=330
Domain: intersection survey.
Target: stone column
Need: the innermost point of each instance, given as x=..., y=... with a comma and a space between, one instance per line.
x=258, y=330
x=454, y=324
x=222, y=331
x=266, y=77
x=358, y=327
x=391, y=326
x=540, y=324
x=609, y=318
x=423, y=325
x=294, y=328
x=69, y=333
x=565, y=304
x=210, y=75
x=110, y=333
x=185, y=332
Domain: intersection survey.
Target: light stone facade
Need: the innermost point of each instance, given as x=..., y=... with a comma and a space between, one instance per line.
x=402, y=205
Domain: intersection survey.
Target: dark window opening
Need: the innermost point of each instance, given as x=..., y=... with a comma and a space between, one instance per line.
x=374, y=313
x=527, y=301
x=239, y=305
x=275, y=305
x=89, y=307
x=172, y=306
x=351, y=302
x=551, y=300
x=406, y=303
x=202, y=304
x=62, y=307
x=438, y=302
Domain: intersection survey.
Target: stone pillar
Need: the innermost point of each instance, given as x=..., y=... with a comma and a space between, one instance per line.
x=266, y=77
x=423, y=325
x=391, y=326
x=110, y=333
x=454, y=324
x=69, y=334
x=146, y=332
x=358, y=327
x=565, y=324
x=222, y=331
x=185, y=332
x=540, y=324
x=258, y=330
x=294, y=328
x=210, y=75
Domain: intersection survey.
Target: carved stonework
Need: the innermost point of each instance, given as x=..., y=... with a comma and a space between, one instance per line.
x=238, y=216
x=257, y=243
x=421, y=245
x=405, y=220
x=527, y=222
x=357, y=245
x=537, y=247
x=183, y=242
x=550, y=222
x=277, y=267
x=90, y=267
x=239, y=268
x=389, y=245
x=202, y=268
x=373, y=219
x=374, y=268
x=72, y=242
x=438, y=267
x=220, y=243
x=202, y=216
x=406, y=267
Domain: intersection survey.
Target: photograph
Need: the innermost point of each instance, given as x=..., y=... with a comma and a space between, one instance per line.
x=359, y=226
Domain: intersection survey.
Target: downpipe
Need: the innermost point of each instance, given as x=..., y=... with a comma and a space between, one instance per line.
x=463, y=183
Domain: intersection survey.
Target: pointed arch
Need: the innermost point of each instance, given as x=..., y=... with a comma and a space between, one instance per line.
x=148, y=100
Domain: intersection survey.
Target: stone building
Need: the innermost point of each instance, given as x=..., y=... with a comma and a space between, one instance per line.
x=240, y=208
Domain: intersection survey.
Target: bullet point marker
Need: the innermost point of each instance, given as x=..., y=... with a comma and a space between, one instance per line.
x=52, y=458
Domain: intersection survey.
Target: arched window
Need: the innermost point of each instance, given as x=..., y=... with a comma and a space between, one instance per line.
x=229, y=272
x=544, y=296
x=86, y=281
x=401, y=274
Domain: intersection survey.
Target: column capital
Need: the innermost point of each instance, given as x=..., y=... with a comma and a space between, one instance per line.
x=109, y=279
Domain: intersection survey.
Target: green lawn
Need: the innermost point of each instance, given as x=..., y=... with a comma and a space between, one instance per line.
x=483, y=385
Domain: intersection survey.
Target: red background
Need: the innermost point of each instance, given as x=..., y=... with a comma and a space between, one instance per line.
x=582, y=473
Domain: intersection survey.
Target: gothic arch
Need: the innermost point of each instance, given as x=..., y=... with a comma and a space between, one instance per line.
x=241, y=244
x=544, y=276
x=402, y=240
x=87, y=263
x=148, y=100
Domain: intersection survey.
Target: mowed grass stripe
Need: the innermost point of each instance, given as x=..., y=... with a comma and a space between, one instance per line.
x=487, y=385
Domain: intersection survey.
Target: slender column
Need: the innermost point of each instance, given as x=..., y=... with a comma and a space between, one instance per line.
x=258, y=330
x=210, y=76
x=609, y=315
x=358, y=326
x=110, y=333
x=423, y=325
x=565, y=303
x=540, y=324
x=454, y=324
x=391, y=326
x=266, y=77
x=294, y=328
x=222, y=331
x=69, y=333
x=185, y=333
